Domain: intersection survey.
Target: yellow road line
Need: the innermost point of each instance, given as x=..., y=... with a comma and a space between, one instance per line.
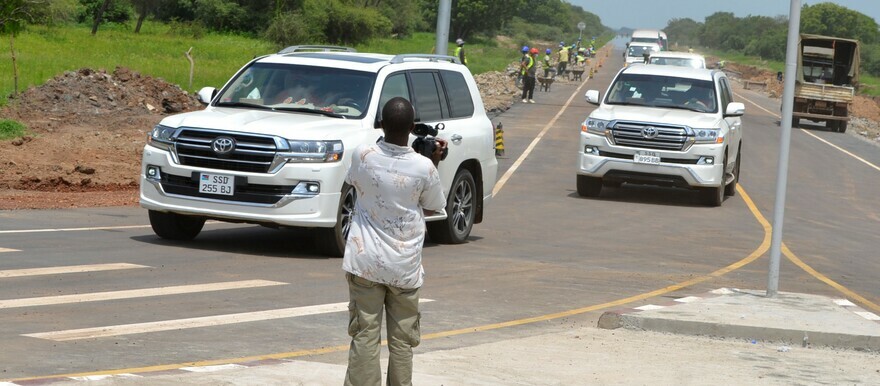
x=818, y=275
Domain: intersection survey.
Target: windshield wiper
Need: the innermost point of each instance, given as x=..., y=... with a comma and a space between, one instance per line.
x=681, y=108
x=626, y=104
x=313, y=111
x=242, y=104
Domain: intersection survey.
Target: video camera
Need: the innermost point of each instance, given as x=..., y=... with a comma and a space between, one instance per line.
x=426, y=140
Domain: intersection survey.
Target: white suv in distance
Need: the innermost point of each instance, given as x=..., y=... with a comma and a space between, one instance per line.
x=663, y=125
x=636, y=52
x=272, y=147
x=674, y=58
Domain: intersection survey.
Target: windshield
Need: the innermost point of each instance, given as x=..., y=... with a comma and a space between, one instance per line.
x=664, y=92
x=645, y=40
x=639, y=51
x=682, y=62
x=285, y=87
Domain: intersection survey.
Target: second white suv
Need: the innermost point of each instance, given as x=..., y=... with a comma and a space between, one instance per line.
x=663, y=125
x=272, y=147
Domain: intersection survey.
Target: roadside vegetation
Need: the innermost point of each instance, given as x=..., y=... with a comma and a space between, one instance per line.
x=48, y=37
x=761, y=40
x=10, y=129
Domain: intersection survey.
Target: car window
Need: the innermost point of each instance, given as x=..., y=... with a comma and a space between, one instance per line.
x=395, y=86
x=663, y=91
x=283, y=86
x=460, y=103
x=428, y=102
x=726, y=98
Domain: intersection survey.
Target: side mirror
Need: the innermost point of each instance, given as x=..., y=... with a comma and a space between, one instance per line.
x=592, y=97
x=207, y=94
x=735, y=109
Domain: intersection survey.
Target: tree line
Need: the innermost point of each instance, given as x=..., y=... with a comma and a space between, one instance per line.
x=766, y=37
x=288, y=22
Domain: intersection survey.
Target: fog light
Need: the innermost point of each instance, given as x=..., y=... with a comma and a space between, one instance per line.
x=153, y=172
x=591, y=150
x=706, y=161
x=307, y=187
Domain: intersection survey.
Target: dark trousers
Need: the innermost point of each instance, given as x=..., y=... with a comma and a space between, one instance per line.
x=528, y=87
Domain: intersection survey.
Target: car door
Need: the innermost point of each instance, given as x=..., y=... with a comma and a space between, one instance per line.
x=734, y=123
x=432, y=107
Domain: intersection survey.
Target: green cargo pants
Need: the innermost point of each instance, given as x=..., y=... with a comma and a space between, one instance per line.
x=366, y=301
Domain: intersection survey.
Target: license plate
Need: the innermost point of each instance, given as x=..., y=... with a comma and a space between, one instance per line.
x=646, y=157
x=216, y=184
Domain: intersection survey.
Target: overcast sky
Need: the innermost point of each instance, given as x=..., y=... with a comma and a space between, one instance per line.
x=654, y=14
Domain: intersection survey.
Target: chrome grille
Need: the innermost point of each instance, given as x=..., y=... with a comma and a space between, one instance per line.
x=629, y=134
x=253, y=153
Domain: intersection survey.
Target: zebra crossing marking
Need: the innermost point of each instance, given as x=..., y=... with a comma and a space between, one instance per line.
x=68, y=269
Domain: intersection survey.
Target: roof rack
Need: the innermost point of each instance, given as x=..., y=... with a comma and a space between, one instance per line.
x=433, y=58
x=313, y=48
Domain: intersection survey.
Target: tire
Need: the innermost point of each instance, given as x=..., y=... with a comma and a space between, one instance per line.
x=730, y=189
x=331, y=241
x=461, y=210
x=712, y=196
x=589, y=186
x=841, y=126
x=833, y=126
x=173, y=226
x=612, y=184
x=795, y=122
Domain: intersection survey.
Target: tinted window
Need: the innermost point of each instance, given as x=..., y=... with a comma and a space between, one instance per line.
x=460, y=103
x=725, y=95
x=395, y=86
x=428, y=103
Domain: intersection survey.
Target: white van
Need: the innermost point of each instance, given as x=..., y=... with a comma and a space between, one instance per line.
x=646, y=36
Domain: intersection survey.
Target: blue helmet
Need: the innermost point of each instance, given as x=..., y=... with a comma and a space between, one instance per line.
x=525, y=49
x=548, y=51
x=561, y=44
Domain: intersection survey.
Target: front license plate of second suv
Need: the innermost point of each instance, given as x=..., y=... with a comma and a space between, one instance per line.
x=646, y=157
x=216, y=184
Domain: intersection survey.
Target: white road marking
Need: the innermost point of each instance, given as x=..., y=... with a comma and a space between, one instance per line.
x=72, y=229
x=209, y=369
x=102, y=377
x=649, y=307
x=179, y=324
x=519, y=161
x=860, y=159
x=688, y=299
x=868, y=315
x=138, y=293
x=844, y=303
x=9, y=250
x=68, y=269
x=722, y=291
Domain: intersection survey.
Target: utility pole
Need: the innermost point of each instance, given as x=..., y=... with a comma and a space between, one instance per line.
x=791, y=55
x=443, y=17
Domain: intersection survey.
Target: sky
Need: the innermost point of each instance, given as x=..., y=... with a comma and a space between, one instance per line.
x=654, y=14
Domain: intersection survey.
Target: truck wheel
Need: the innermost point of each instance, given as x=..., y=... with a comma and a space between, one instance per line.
x=589, y=186
x=841, y=126
x=795, y=122
x=461, y=210
x=730, y=189
x=173, y=226
x=331, y=241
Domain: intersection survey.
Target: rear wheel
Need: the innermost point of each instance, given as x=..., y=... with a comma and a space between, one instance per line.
x=841, y=126
x=331, y=241
x=730, y=189
x=589, y=186
x=173, y=226
x=795, y=122
x=461, y=210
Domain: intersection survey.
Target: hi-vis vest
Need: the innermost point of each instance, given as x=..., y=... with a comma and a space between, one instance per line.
x=563, y=54
x=459, y=56
x=530, y=65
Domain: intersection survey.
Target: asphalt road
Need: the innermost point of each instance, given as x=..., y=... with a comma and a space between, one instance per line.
x=543, y=259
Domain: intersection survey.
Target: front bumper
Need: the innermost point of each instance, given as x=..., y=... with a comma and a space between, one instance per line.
x=676, y=168
x=271, y=199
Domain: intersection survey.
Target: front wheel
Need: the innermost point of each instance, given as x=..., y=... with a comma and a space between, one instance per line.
x=460, y=211
x=730, y=189
x=589, y=186
x=331, y=241
x=173, y=226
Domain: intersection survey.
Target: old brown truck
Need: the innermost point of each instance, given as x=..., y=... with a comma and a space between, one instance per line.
x=828, y=78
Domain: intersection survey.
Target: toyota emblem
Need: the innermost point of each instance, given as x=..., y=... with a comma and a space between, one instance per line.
x=650, y=132
x=223, y=145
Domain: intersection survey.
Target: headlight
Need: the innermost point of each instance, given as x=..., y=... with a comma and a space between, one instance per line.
x=594, y=126
x=162, y=137
x=708, y=136
x=313, y=151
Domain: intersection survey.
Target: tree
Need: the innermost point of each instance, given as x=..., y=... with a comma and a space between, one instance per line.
x=683, y=32
x=14, y=14
x=833, y=20
x=143, y=8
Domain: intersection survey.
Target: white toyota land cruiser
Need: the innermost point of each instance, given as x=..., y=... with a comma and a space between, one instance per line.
x=663, y=125
x=272, y=147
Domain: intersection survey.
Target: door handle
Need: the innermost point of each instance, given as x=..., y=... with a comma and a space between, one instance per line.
x=456, y=138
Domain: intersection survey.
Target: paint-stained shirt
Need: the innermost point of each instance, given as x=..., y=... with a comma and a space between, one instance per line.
x=393, y=184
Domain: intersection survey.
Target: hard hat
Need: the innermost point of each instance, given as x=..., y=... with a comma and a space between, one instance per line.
x=533, y=51
x=561, y=44
x=548, y=51
x=525, y=49
x=459, y=41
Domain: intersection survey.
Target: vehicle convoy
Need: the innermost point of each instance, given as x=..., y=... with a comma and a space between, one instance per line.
x=273, y=146
x=827, y=80
x=639, y=52
x=663, y=125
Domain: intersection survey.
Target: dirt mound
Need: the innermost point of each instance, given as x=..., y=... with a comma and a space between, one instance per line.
x=88, y=130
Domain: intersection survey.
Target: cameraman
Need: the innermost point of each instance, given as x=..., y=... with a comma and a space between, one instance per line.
x=396, y=187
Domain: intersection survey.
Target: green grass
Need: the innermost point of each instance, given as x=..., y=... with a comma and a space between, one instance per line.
x=10, y=129
x=42, y=53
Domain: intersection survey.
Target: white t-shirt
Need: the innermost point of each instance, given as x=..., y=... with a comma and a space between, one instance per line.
x=393, y=184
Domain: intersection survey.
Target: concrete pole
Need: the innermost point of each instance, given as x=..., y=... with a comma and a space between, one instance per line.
x=791, y=57
x=443, y=16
